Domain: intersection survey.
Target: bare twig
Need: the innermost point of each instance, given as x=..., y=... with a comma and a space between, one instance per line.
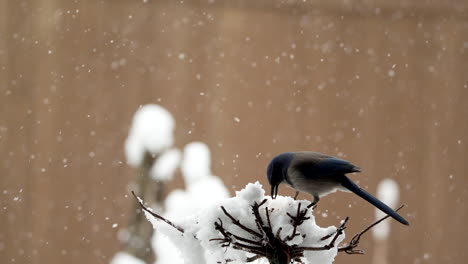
x=297, y=221
x=238, y=223
x=256, y=213
x=350, y=248
x=268, y=218
x=253, y=258
x=338, y=232
x=227, y=235
x=180, y=229
x=279, y=232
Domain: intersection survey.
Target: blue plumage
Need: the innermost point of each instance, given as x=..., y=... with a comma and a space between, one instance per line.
x=327, y=166
x=319, y=175
x=279, y=163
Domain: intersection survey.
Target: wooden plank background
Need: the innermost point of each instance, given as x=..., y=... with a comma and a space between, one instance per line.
x=384, y=85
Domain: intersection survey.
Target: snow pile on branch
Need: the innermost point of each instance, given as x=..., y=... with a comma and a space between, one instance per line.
x=196, y=170
x=196, y=164
x=234, y=229
x=165, y=166
x=151, y=132
x=147, y=148
x=202, y=190
x=388, y=192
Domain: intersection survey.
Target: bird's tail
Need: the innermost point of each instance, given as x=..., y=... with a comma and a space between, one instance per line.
x=350, y=185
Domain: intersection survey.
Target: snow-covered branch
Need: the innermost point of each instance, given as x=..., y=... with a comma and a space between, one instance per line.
x=147, y=149
x=269, y=244
x=149, y=211
x=251, y=226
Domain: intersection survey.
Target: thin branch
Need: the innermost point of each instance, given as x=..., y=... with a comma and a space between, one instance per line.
x=258, y=218
x=251, y=249
x=268, y=218
x=380, y=220
x=238, y=223
x=180, y=229
x=227, y=235
x=278, y=233
x=328, y=236
x=253, y=258
x=297, y=221
x=338, y=232
x=333, y=233
x=350, y=248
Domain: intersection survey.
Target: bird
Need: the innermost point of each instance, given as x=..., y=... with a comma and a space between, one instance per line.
x=318, y=175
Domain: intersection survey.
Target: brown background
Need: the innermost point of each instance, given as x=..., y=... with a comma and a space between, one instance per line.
x=384, y=85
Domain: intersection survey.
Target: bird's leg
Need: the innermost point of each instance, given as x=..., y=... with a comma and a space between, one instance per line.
x=316, y=199
x=314, y=203
x=295, y=196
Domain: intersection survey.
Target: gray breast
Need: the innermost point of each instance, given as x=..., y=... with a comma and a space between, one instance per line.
x=315, y=186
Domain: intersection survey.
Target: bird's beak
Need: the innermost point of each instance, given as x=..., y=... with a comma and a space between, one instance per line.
x=274, y=191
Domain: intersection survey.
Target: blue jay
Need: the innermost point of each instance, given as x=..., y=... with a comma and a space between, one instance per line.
x=318, y=175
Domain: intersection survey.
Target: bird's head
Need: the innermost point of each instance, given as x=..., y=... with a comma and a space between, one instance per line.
x=277, y=171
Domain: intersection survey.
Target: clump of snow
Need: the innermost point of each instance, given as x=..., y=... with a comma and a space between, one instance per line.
x=202, y=190
x=165, y=250
x=251, y=192
x=196, y=162
x=388, y=192
x=125, y=258
x=151, y=131
x=195, y=244
x=165, y=165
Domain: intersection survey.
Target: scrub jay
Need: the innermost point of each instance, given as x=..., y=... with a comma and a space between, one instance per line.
x=318, y=175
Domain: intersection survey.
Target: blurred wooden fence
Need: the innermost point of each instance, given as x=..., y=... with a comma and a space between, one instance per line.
x=382, y=84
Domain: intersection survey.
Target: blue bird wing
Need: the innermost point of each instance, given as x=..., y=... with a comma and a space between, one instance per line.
x=325, y=166
x=336, y=166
